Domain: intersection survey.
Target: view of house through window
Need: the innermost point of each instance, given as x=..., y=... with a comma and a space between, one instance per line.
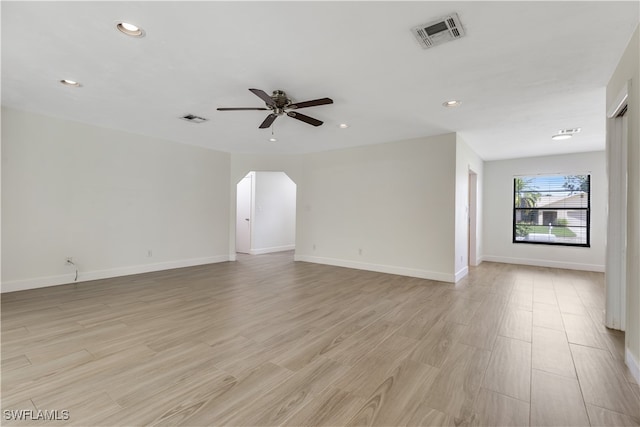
x=552, y=209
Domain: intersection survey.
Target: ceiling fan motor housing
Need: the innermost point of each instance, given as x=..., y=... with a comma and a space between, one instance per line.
x=281, y=101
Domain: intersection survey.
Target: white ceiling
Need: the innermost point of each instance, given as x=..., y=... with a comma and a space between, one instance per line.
x=523, y=71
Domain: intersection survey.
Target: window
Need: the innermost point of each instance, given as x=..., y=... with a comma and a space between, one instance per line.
x=552, y=209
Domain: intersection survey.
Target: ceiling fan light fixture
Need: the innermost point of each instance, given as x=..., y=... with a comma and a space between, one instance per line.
x=70, y=83
x=130, y=29
x=452, y=103
x=561, y=136
x=272, y=139
x=565, y=134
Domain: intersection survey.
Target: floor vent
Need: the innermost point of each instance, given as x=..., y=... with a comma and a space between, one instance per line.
x=439, y=31
x=193, y=118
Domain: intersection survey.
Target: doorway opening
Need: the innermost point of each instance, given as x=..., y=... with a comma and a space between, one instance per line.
x=265, y=213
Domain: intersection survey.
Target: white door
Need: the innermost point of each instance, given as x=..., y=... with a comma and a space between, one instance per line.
x=243, y=215
x=472, y=224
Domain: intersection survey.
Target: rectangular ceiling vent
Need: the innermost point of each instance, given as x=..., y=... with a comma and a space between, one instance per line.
x=193, y=118
x=439, y=31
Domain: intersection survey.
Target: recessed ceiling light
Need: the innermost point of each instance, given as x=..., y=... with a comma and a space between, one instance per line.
x=130, y=29
x=452, y=103
x=71, y=83
x=343, y=125
x=272, y=139
x=561, y=136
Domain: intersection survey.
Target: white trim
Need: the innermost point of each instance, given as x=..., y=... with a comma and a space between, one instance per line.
x=233, y=257
x=619, y=102
x=389, y=269
x=460, y=274
x=84, y=276
x=272, y=249
x=632, y=364
x=545, y=263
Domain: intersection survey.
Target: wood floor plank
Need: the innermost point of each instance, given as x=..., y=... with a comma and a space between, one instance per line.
x=15, y=362
x=521, y=300
x=581, y=330
x=425, y=416
x=81, y=405
x=364, y=377
x=434, y=348
x=483, y=329
x=517, y=324
x=602, y=382
x=509, y=369
x=556, y=400
x=398, y=397
x=550, y=352
x=362, y=343
x=604, y=417
x=174, y=405
x=288, y=397
x=332, y=407
x=547, y=316
x=495, y=409
x=455, y=388
x=35, y=374
x=226, y=402
x=319, y=345
x=78, y=370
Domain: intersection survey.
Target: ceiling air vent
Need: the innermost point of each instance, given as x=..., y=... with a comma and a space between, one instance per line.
x=439, y=31
x=193, y=118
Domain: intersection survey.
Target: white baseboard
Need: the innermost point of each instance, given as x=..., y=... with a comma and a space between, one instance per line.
x=84, y=276
x=389, y=269
x=545, y=263
x=460, y=274
x=478, y=261
x=272, y=250
x=632, y=364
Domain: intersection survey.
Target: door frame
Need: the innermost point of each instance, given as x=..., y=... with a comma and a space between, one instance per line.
x=616, y=248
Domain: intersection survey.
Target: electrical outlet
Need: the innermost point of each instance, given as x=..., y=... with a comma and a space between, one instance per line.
x=149, y=253
x=314, y=246
x=360, y=251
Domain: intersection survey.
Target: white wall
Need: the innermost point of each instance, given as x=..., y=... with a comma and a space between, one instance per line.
x=466, y=160
x=274, y=217
x=628, y=70
x=385, y=207
x=498, y=212
x=105, y=198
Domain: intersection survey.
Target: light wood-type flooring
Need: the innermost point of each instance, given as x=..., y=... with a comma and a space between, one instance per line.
x=267, y=341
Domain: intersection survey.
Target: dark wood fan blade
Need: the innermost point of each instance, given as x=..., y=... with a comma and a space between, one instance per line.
x=303, y=118
x=242, y=109
x=264, y=96
x=268, y=121
x=312, y=103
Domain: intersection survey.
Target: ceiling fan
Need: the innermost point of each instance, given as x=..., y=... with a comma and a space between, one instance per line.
x=280, y=104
